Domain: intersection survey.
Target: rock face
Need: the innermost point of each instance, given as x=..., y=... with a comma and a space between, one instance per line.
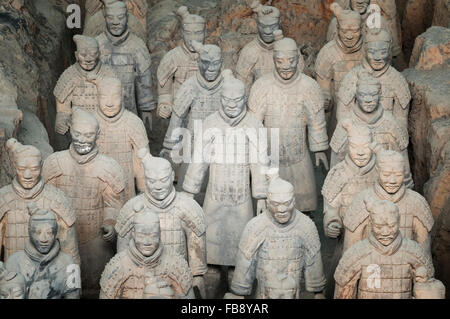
x=429, y=128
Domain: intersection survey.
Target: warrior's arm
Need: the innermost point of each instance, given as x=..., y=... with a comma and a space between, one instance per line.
x=330, y=214
x=244, y=70
x=421, y=235
x=196, y=252
x=113, y=201
x=401, y=114
x=68, y=239
x=64, y=107
x=244, y=274
x=170, y=140
x=123, y=241
x=336, y=158
x=348, y=290
x=258, y=166
x=351, y=238
x=144, y=95
x=317, y=126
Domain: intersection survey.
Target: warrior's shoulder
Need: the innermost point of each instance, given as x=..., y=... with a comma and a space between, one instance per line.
x=335, y=181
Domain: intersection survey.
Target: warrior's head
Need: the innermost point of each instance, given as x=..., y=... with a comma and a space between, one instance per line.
x=87, y=53
x=368, y=91
x=384, y=220
x=116, y=17
x=27, y=163
x=281, y=200
x=159, y=175
x=348, y=25
x=359, y=6
x=109, y=92
x=285, y=56
x=12, y=284
x=84, y=129
x=378, y=46
x=210, y=62
x=359, y=143
x=193, y=27
x=42, y=228
x=146, y=230
x=233, y=98
x=268, y=21
x=391, y=170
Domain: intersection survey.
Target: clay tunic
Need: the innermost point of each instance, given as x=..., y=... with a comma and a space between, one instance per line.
x=395, y=94
x=228, y=199
x=333, y=63
x=124, y=275
x=121, y=138
x=343, y=182
x=177, y=65
x=293, y=107
x=53, y=272
x=278, y=257
x=182, y=227
x=395, y=265
x=74, y=90
x=415, y=223
x=14, y=216
x=130, y=59
x=95, y=183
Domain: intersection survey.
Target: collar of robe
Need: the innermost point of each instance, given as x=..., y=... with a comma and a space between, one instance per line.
x=193, y=56
x=369, y=118
x=232, y=121
x=382, y=194
x=359, y=170
x=386, y=250
x=208, y=85
x=162, y=204
x=353, y=49
x=113, y=119
x=117, y=41
x=374, y=73
x=282, y=82
x=264, y=45
x=42, y=259
x=28, y=193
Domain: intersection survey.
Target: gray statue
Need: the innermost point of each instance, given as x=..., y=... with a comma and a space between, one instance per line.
x=12, y=284
x=278, y=248
x=49, y=273
x=128, y=55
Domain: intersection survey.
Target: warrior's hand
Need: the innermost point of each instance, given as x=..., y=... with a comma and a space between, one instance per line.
x=322, y=157
x=108, y=232
x=61, y=122
x=260, y=206
x=230, y=295
x=199, y=282
x=333, y=230
x=164, y=110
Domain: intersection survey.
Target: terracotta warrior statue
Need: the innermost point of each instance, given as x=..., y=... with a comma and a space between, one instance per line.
x=122, y=134
x=395, y=95
x=197, y=98
x=385, y=265
x=74, y=87
x=344, y=181
x=12, y=284
x=95, y=183
x=416, y=219
x=49, y=273
x=146, y=268
x=236, y=173
x=128, y=55
x=387, y=11
x=180, y=63
x=29, y=187
x=338, y=57
x=94, y=21
x=278, y=248
x=288, y=100
x=385, y=129
x=181, y=218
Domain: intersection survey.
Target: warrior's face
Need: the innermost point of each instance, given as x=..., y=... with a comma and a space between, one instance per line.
x=28, y=170
x=286, y=63
x=87, y=57
x=110, y=101
x=116, y=20
x=210, y=65
x=359, y=150
x=281, y=206
x=349, y=33
x=159, y=181
x=391, y=175
x=359, y=6
x=84, y=136
x=193, y=31
x=43, y=235
x=233, y=101
x=12, y=290
x=378, y=54
x=146, y=238
x=385, y=227
x=368, y=97
x=266, y=29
